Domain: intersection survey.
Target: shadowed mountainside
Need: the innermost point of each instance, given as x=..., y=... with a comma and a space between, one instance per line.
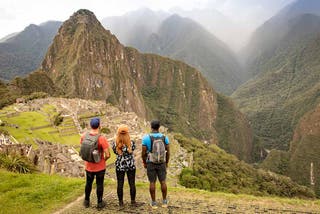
x=23, y=52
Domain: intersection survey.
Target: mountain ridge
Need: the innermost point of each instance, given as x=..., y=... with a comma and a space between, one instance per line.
x=22, y=53
x=286, y=87
x=184, y=39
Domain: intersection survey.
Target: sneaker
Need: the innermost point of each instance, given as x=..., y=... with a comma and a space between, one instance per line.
x=86, y=203
x=133, y=203
x=101, y=205
x=165, y=203
x=121, y=204
x=154, y=205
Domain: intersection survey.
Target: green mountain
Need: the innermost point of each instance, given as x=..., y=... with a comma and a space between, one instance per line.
x=22, y=53
x=5, y=95
x=265, y=41
x=284, y=61
x=87, y=61
x=287, y=86
x=301, y=161
x=183, y=39
x=304, y=151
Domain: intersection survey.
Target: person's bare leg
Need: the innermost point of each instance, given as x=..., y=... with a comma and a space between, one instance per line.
x=152, y=190
x=164, y=189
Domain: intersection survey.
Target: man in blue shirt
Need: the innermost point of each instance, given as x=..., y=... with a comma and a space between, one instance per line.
x=155, y=170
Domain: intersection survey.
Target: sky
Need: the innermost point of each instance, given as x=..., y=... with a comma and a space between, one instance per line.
x=15, y=15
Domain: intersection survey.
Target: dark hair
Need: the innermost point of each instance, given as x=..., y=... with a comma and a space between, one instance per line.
x=155, y=124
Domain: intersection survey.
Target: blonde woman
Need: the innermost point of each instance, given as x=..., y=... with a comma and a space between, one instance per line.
x=123, y=147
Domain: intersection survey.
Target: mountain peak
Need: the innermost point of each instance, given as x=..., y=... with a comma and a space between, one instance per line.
x=83, y=12
x=31, y=27
x=84, y=16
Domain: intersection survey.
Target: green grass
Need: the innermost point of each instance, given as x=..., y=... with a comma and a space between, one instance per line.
x=27, y=120
x=49, y=109
x=36, y=193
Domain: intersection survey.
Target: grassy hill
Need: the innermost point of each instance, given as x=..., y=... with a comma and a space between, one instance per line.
x=36, y=193
x=215, y=170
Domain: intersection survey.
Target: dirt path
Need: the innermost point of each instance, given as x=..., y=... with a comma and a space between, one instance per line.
x=72, y=204
x=191, y=201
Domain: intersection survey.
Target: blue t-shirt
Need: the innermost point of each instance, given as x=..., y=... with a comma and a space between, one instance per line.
x=146, y=140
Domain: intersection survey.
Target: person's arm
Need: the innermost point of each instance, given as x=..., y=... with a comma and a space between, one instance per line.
x=168, y=150
x=167, y=154
x=144, y=156
x=114, y=148
x=106, y=154
x=105, y=146
x=133, y=145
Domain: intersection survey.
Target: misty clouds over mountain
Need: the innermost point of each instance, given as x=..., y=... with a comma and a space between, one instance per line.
x=135, y=27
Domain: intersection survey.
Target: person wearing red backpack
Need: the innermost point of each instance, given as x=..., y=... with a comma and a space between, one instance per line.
x=96, y=169
x=155, y=156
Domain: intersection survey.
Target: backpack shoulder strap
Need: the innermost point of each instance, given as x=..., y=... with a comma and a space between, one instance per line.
x=87, y=135
x=97, y=141
x=164, y=139
x=151, y=140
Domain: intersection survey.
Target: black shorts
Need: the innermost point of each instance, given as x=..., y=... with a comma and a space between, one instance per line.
x=156, y=170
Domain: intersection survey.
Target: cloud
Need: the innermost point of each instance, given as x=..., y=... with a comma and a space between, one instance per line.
x=5, y=15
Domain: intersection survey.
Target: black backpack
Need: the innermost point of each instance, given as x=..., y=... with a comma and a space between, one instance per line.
x=89, y=148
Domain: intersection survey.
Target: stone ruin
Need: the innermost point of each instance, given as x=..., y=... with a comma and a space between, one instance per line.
x=58, y=159
x=49, y=158
x=64, y=160
x=5, y=140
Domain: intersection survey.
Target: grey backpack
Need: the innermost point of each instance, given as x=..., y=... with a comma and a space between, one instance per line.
x=89, y=148
x=158, y=150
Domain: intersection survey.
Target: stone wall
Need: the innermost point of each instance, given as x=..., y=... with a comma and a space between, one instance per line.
x=49, y=158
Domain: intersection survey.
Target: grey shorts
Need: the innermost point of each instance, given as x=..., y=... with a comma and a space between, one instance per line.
x=156, y=170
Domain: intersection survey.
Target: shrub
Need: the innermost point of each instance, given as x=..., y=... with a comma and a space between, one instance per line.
x=58, y=119
x=105, y=130
x=215, y=170
x=16, y=163
x=4, y=132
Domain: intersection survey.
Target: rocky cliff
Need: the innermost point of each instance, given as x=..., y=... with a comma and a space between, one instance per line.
x=302, y=161
x=304, y=151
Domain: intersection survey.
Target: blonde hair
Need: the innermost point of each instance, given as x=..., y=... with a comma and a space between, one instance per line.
x=123, y=139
